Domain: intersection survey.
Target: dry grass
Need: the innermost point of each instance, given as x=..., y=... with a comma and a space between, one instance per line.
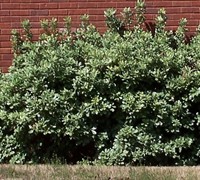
x=81, y=172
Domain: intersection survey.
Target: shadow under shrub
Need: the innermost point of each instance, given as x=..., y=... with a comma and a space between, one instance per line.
x=117, y=99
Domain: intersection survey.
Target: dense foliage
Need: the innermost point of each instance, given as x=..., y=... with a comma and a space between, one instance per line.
x=128, y=96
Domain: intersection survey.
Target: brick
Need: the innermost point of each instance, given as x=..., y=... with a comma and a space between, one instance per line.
x=96, y=11
x=10, y=19
x=77, y=12
x=7, y=57
x=5, y=63
x=49, y=5
x=124, y=4
x=161, y=4
x=6, y=31
x=10, y=6
x=5, y=50
x=182, y=3
x=4, y=37
x=4, y=13
x=3, y=69
x=56, y=12
x=39, y=12
x=173, y=10
x=190, y=10
x=57, y=0
x=152, y=10
x=5, y=44
x=4, y=25
x=31, y=18
x=71, y=5
x=29, y=6
x=195, y=3
x=16, y=25
x=106, y=5
x=87, y=5
x=20, y=1
x=39, y=1
x=20, y=13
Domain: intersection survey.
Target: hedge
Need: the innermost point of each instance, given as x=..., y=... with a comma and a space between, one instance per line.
x=125, y=97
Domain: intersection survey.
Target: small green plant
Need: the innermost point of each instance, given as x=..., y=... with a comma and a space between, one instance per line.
x=112, y=21
x=85, y=21
x=140, y=11
x=127, y=15
x=180, y=33
x=45, y=25
x=27, y=30
x=67, y=21
x=161, y=20
x=16, y=41
x=54, y=26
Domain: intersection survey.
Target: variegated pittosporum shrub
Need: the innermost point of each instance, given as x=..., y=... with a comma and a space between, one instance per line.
x=117, y=99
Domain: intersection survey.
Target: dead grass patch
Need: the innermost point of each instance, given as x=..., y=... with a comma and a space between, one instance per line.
x=83, y=172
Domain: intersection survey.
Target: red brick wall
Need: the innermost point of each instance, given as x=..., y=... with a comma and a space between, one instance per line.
x=12, y=12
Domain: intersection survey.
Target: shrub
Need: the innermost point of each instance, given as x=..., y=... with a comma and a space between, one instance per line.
x=126, y=97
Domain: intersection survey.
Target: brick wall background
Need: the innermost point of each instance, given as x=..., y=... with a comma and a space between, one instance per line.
x=12, y=12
